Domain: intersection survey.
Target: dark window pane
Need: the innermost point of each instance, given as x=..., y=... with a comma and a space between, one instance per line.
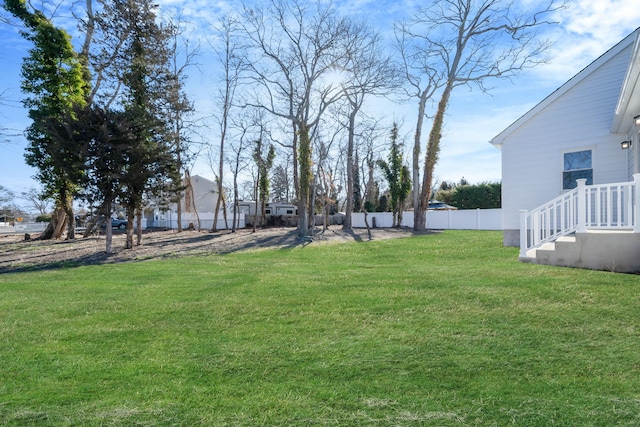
x=569, y=178
x=577, y=160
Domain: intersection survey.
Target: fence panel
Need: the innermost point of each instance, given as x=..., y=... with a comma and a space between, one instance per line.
x=473, y=219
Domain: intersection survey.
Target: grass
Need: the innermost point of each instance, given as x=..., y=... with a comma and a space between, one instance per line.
x=441, y=330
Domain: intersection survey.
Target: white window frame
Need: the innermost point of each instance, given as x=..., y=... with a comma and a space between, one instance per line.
x=575, y=150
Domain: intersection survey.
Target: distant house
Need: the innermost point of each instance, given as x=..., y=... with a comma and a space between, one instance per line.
x=200, y=196
x=198, y=203
x=570, y=162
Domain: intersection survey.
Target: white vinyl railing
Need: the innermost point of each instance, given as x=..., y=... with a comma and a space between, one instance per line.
x=586, y=207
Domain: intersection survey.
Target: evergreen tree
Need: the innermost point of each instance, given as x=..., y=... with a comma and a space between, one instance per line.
x=149, y=160
x=56, y=85
x=397, y=176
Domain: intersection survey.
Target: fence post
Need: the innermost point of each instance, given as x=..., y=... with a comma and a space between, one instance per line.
x=523, y=233
x=582, y=206
x=636, y=207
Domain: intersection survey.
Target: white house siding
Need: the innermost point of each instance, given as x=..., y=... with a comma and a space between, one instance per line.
x=205, y=196
x=573, y=119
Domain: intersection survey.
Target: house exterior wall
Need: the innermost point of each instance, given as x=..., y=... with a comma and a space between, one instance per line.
x=578, y=119
x=205, y=196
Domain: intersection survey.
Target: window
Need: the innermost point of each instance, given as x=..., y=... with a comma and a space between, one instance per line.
x=577, y=164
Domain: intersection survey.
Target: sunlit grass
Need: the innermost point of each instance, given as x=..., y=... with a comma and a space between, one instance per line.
x=444, y=330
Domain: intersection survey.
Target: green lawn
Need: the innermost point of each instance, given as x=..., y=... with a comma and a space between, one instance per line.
x=440, y=330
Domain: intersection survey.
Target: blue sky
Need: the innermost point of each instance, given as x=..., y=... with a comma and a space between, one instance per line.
x=587, y=29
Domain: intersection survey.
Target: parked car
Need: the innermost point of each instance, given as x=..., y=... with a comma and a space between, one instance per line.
x=438, y=205
x=118, y=223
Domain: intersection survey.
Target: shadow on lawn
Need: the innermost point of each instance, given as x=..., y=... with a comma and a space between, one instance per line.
x=37, y=255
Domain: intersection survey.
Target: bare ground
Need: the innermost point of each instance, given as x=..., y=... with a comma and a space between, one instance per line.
x=18, y=254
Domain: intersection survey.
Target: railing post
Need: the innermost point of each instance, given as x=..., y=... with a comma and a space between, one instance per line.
x=636, y=207
x=523, y=233
x=582, y=206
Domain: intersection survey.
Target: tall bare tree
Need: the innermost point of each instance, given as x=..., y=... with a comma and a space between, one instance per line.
x=178, y=107
x=468, y=43
x=294, y=46
x=423, y=78
x=243, y=132
x=369, y=72
x=232, y=61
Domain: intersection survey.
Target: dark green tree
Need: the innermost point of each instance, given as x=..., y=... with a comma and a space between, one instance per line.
x=486, y=195
x=55, y=81
x=149, y=164
x=398, y=177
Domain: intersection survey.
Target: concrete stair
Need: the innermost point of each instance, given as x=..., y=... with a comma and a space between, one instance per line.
x=596, y=250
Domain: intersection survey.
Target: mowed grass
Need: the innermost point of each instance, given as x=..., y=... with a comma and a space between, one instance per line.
x=440, y=330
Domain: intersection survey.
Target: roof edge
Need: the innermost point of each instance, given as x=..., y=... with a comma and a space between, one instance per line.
x=498, y=140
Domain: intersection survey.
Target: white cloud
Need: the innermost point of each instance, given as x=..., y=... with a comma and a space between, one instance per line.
x=588, y=28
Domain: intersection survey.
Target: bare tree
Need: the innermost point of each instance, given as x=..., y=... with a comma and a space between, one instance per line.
x=178, y=106
x=423, y=79
x=369, y=72
x=38, y=200
x=326, y=186
x=294, y=46
x=238, y=158
x=6, y=196
x=229, y=56
x=280, y=180
x=470, y=42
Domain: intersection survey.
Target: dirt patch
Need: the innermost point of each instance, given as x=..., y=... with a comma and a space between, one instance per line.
x=18, y=254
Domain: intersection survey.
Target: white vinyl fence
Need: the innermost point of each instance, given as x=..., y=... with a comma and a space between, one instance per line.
x=473, y=219
x=204, y=220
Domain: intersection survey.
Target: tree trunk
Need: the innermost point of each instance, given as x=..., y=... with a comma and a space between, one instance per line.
x=224, y=213
x=303, y=218
x=214, y=226
x=56, y=225
x=129, y=240
x=350, y=184
x=431, y=158
x=304, y=159
x=179, y=210
x=101, y=212
x=138, y=226
x=67, y=204
x=312, y=206
x=109, y=230
x=366, y=224
x=235, y=200
x=220, y=172
x=417, y=214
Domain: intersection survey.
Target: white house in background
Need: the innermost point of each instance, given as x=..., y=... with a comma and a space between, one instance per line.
x=198, y=204
x=576, y=134
x=201, y=196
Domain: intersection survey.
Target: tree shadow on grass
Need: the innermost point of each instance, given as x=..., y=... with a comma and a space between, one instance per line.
x=23, y=256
